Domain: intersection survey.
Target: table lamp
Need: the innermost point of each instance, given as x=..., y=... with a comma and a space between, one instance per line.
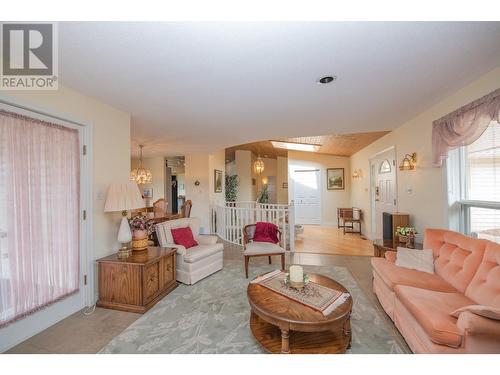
x=123, y=197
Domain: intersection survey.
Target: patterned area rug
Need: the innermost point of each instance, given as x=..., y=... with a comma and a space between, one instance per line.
x=212, y=317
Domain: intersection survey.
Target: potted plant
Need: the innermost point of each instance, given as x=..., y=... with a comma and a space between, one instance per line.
x=264, y=195
x=405, y=235
x=231, y=187
x=141, y=229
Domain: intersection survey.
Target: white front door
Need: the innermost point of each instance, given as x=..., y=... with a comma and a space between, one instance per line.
x=307, y=197
x=384, y=194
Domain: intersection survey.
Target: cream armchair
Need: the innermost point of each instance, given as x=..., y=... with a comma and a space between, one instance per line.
x=197, y=262
x=260, y=249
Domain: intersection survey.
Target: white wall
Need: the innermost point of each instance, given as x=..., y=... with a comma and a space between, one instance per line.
x=217, y=161
x=197, y=169
x=231, y=168
x=243, y=164
x=426, y=202
x=157, y=167
x=281, y=177
x=111, y=162
x=330, y=199
x=201, y=167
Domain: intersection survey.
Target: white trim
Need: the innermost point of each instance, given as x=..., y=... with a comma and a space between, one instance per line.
x=372, y=191
x=456, y=178
x=43, y=319
x=480, y=204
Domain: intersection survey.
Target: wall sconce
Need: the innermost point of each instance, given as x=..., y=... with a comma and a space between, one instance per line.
x=409, y=162
x=357, y=173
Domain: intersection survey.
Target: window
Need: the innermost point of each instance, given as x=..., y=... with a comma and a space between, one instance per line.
x=385, y=167
x=39, y=214
x=479, y=169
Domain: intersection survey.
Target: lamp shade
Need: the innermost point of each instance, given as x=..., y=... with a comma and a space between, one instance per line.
x=123, y=197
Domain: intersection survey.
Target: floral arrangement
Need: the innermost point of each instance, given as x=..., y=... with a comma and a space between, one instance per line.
x=140, y=222
x=405, y=231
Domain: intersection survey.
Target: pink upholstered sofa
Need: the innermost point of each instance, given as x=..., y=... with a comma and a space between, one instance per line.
x=467, y=272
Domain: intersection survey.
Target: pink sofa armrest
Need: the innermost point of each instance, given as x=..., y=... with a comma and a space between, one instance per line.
x=472, y=324
x=480, y=335
x=390, y=256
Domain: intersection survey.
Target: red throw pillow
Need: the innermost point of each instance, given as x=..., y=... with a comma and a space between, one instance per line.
x=184, y=237
x=266, y=232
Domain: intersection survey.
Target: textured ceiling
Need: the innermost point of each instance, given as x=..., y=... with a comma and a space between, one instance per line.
x=199, y=87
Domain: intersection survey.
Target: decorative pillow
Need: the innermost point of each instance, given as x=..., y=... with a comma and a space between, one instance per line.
x=266, y=232
x=481, y=310
x=420, y=260
x=184, y=237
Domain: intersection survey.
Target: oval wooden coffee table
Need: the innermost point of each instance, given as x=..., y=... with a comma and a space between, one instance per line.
x=282, y=325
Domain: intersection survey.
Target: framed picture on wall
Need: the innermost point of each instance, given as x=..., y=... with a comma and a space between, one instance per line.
x=147, y=192
x=335, y=179
x=217, y=181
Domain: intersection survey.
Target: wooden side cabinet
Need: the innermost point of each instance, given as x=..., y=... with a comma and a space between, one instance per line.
x=137, y=283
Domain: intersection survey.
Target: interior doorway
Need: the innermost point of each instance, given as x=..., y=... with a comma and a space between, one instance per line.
x=175, y=197
x=383, y=188
x=174, y=183
x=307, y=196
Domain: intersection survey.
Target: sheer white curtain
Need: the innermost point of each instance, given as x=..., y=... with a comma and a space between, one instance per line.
x=39, y=214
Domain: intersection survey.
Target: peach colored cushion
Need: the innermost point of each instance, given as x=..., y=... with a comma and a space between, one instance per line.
x=485, y=286
x=481, y=310
x=457, y=257
x=393, y=275
x=432, y=311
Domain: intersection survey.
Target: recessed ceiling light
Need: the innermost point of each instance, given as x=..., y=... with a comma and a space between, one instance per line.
x=296, y=146
x=326, y=79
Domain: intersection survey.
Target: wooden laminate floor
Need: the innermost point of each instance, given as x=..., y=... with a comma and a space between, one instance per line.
x=329, y=240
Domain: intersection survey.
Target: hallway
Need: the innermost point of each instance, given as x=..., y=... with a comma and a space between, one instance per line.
x=330, y=240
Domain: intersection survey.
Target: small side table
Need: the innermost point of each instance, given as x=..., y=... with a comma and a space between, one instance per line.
x=137, y=283
x=380, y=247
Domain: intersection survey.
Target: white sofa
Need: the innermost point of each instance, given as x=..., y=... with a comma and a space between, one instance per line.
x=197, y=262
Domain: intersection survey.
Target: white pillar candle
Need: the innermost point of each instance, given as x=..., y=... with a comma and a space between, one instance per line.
x=296, y=274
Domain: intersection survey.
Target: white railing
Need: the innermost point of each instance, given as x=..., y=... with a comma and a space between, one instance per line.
x=229, y=218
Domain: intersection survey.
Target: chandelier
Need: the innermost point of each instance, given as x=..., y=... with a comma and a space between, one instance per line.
x=258, y=165
x=141, y=175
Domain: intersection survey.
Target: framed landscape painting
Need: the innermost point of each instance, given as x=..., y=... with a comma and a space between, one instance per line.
x=217, y=181
x=335, y=179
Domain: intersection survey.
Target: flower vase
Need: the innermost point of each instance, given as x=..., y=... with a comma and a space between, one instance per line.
x=403, y=239
x=139, y=240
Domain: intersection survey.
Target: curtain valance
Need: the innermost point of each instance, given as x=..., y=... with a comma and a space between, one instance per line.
x=463, y=126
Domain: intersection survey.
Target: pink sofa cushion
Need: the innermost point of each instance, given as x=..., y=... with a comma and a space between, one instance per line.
x=485, y=286
x=393, y=275
x=481, y=310
x=432, y=310
x=457, y=257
